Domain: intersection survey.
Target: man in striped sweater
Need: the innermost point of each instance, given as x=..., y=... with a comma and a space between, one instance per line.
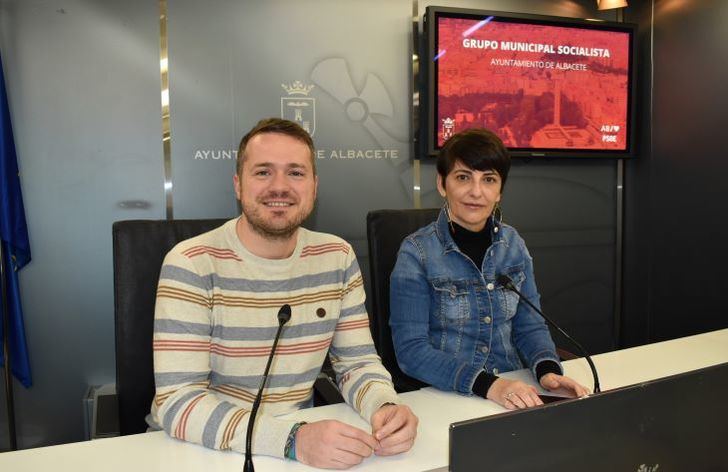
x=216, y=316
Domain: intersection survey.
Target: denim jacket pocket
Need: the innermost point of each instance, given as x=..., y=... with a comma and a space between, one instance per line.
x=451, y=297
x=509, y=299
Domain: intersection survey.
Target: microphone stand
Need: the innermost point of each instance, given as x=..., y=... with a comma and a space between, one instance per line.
x=506, y=281
x=284, y=314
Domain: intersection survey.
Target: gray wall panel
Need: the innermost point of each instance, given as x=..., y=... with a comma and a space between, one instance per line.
x=229, y=79
x=83, y=81
x=202, y=119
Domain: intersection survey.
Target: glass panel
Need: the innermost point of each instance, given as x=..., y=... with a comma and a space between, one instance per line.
x=83, y=82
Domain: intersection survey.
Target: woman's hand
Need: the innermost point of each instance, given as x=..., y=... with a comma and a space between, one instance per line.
x=513, y=394
x=563, y=385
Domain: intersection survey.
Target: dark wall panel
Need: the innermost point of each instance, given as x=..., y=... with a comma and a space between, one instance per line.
x=681, y=224
x=689, y=190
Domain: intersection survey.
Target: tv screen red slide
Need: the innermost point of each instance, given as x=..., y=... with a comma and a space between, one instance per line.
x=545, y=85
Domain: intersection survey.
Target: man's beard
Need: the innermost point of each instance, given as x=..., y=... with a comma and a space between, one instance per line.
x=271, y=231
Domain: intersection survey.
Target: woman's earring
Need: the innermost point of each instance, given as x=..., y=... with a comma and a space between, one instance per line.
x=497, y=216
x=446, y=206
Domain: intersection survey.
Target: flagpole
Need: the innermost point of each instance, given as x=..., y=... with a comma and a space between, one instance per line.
x=9, y=404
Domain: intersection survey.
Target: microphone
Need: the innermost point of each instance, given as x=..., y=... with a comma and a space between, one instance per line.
x=284, y=315
x=506, y=282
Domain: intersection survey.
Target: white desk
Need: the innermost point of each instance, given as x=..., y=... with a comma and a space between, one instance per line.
x=436, y=410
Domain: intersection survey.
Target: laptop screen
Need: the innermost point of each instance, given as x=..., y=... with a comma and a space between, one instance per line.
x=674, y=423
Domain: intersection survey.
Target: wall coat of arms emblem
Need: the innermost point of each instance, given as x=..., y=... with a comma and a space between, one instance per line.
x=298, y=106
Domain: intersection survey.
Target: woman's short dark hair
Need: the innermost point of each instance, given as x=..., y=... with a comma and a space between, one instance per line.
x=478, y=149
x=276, y=125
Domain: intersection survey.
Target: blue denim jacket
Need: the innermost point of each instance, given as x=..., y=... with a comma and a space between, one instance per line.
x=451, y=320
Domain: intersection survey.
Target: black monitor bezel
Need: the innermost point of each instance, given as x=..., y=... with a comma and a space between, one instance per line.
x=432, y=13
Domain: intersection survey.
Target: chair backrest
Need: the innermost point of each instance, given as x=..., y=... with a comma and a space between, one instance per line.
x=139, y=249
x=386, y=229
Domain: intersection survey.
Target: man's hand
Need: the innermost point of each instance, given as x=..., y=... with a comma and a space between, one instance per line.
x=395, y=427
x=332, y=444
x=514, y=394
x=563, y=385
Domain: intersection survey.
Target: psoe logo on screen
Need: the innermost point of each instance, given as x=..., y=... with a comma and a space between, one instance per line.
x=298, y=106
x=609, y=133
x=448, y=127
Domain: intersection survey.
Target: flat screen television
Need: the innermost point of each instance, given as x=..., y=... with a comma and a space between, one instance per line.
x=547, y=86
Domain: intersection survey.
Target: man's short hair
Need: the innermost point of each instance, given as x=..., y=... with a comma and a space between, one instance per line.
x=276, y=125
x=478, y=149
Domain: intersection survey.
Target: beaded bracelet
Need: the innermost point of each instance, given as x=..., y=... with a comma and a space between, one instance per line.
x=289, y=452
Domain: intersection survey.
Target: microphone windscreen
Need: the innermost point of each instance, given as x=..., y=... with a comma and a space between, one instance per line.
x=284, y=314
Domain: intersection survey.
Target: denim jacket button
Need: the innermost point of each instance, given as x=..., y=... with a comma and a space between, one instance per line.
x=484, y=349
x=487, y=320
x=490, y=286
x=495, y=371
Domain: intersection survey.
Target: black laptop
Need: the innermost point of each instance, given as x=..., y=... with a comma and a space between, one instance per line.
x=677, y=423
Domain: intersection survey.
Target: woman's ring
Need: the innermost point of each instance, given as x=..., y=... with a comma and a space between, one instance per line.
x=509, y=395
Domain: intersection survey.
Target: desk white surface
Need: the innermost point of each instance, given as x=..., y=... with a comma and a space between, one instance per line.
x=436, y=410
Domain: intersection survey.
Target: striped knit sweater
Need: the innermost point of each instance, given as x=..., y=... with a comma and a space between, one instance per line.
x=215, y=319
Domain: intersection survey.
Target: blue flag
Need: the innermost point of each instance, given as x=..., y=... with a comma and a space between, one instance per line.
x=14, y=240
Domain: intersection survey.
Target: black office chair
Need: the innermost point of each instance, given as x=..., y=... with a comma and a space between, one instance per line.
x=386, y=229
x=139, y=247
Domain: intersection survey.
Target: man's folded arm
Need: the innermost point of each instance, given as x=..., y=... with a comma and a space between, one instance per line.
x=364, y=382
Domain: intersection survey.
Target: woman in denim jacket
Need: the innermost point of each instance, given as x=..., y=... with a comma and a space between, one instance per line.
x=453, y=325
